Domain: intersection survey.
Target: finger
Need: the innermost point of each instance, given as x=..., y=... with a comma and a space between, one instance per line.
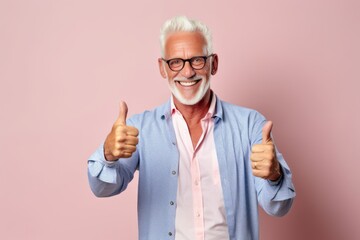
x=260, y=165
x=257, y=157
x=126, y=154
x=259, y=173
x=129, y=148
x=266, y=132
x=123, y=110
x=260, y=148
x=130, y=140
x=132, y=131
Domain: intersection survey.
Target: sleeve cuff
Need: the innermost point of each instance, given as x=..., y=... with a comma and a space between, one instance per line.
x=282, y=188
x=100, y=168
x=276, y=182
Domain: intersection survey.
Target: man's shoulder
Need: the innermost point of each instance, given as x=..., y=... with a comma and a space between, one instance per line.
x=235, y=116
x=233, y=106
x=238, y=110
x=157, y=113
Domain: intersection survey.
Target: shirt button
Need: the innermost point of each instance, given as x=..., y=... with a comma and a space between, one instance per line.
x=196, y=182
x=198, y=214
x=171, y=203
x=173, y=172
x=170, y=233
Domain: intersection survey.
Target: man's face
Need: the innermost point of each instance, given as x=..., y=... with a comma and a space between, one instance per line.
x=187, y=85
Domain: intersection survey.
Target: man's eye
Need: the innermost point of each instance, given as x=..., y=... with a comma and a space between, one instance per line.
x=198, y=60
x=175, y=62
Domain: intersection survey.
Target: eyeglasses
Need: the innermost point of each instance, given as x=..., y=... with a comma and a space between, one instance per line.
x=197, y=63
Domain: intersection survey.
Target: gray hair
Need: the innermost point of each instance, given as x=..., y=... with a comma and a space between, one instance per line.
x=184, y=24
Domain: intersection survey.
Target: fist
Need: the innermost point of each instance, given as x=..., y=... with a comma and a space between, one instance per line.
x=122, y=140
x=263, y=157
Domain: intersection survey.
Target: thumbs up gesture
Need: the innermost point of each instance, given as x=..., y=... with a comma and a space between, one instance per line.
x=122, y=140
x=263, y=157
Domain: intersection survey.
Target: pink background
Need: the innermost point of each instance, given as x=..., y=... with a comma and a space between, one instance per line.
x=65, y=65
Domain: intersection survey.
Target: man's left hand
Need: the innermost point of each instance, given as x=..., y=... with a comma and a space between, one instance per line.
x=263, y=157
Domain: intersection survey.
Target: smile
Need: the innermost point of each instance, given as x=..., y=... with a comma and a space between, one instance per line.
x=188, y=83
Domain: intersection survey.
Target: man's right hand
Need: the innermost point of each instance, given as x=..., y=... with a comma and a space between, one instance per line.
x=122, y=140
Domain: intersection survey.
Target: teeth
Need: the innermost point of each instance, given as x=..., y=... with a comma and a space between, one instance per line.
x=187, y=83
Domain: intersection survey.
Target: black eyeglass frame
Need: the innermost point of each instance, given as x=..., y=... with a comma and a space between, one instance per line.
x=187, y=60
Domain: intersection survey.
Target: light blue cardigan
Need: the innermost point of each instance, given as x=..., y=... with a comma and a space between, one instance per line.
x=156, y=158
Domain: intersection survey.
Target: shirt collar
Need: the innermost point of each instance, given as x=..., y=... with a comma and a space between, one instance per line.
x=208, y=115
x=165, y=110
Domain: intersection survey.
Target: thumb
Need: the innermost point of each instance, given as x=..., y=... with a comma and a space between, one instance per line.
x=266, y=132
x=123, y=110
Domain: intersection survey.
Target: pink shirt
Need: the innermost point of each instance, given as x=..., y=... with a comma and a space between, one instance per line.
x=200, y=210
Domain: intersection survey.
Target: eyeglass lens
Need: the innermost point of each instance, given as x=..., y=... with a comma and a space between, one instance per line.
x=195, y=62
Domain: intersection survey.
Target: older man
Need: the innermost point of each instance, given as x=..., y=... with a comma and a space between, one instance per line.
x=204, y=165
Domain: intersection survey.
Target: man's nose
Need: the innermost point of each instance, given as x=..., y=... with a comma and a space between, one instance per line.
x=188, y=71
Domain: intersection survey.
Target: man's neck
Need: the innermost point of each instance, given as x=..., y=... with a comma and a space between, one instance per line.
x=194, y=113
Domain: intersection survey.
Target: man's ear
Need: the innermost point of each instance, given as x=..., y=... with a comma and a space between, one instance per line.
x=161, y=68
x=215, y=63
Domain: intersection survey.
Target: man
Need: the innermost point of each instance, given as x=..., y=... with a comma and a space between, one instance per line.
x=204, y=165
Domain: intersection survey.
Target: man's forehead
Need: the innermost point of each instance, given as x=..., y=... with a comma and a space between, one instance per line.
x=179, y=41
x=185, y=36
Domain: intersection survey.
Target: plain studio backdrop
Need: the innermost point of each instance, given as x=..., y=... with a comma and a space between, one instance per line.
x=65, y=65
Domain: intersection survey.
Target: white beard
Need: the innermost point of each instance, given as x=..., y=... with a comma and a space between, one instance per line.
x=203, y=88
